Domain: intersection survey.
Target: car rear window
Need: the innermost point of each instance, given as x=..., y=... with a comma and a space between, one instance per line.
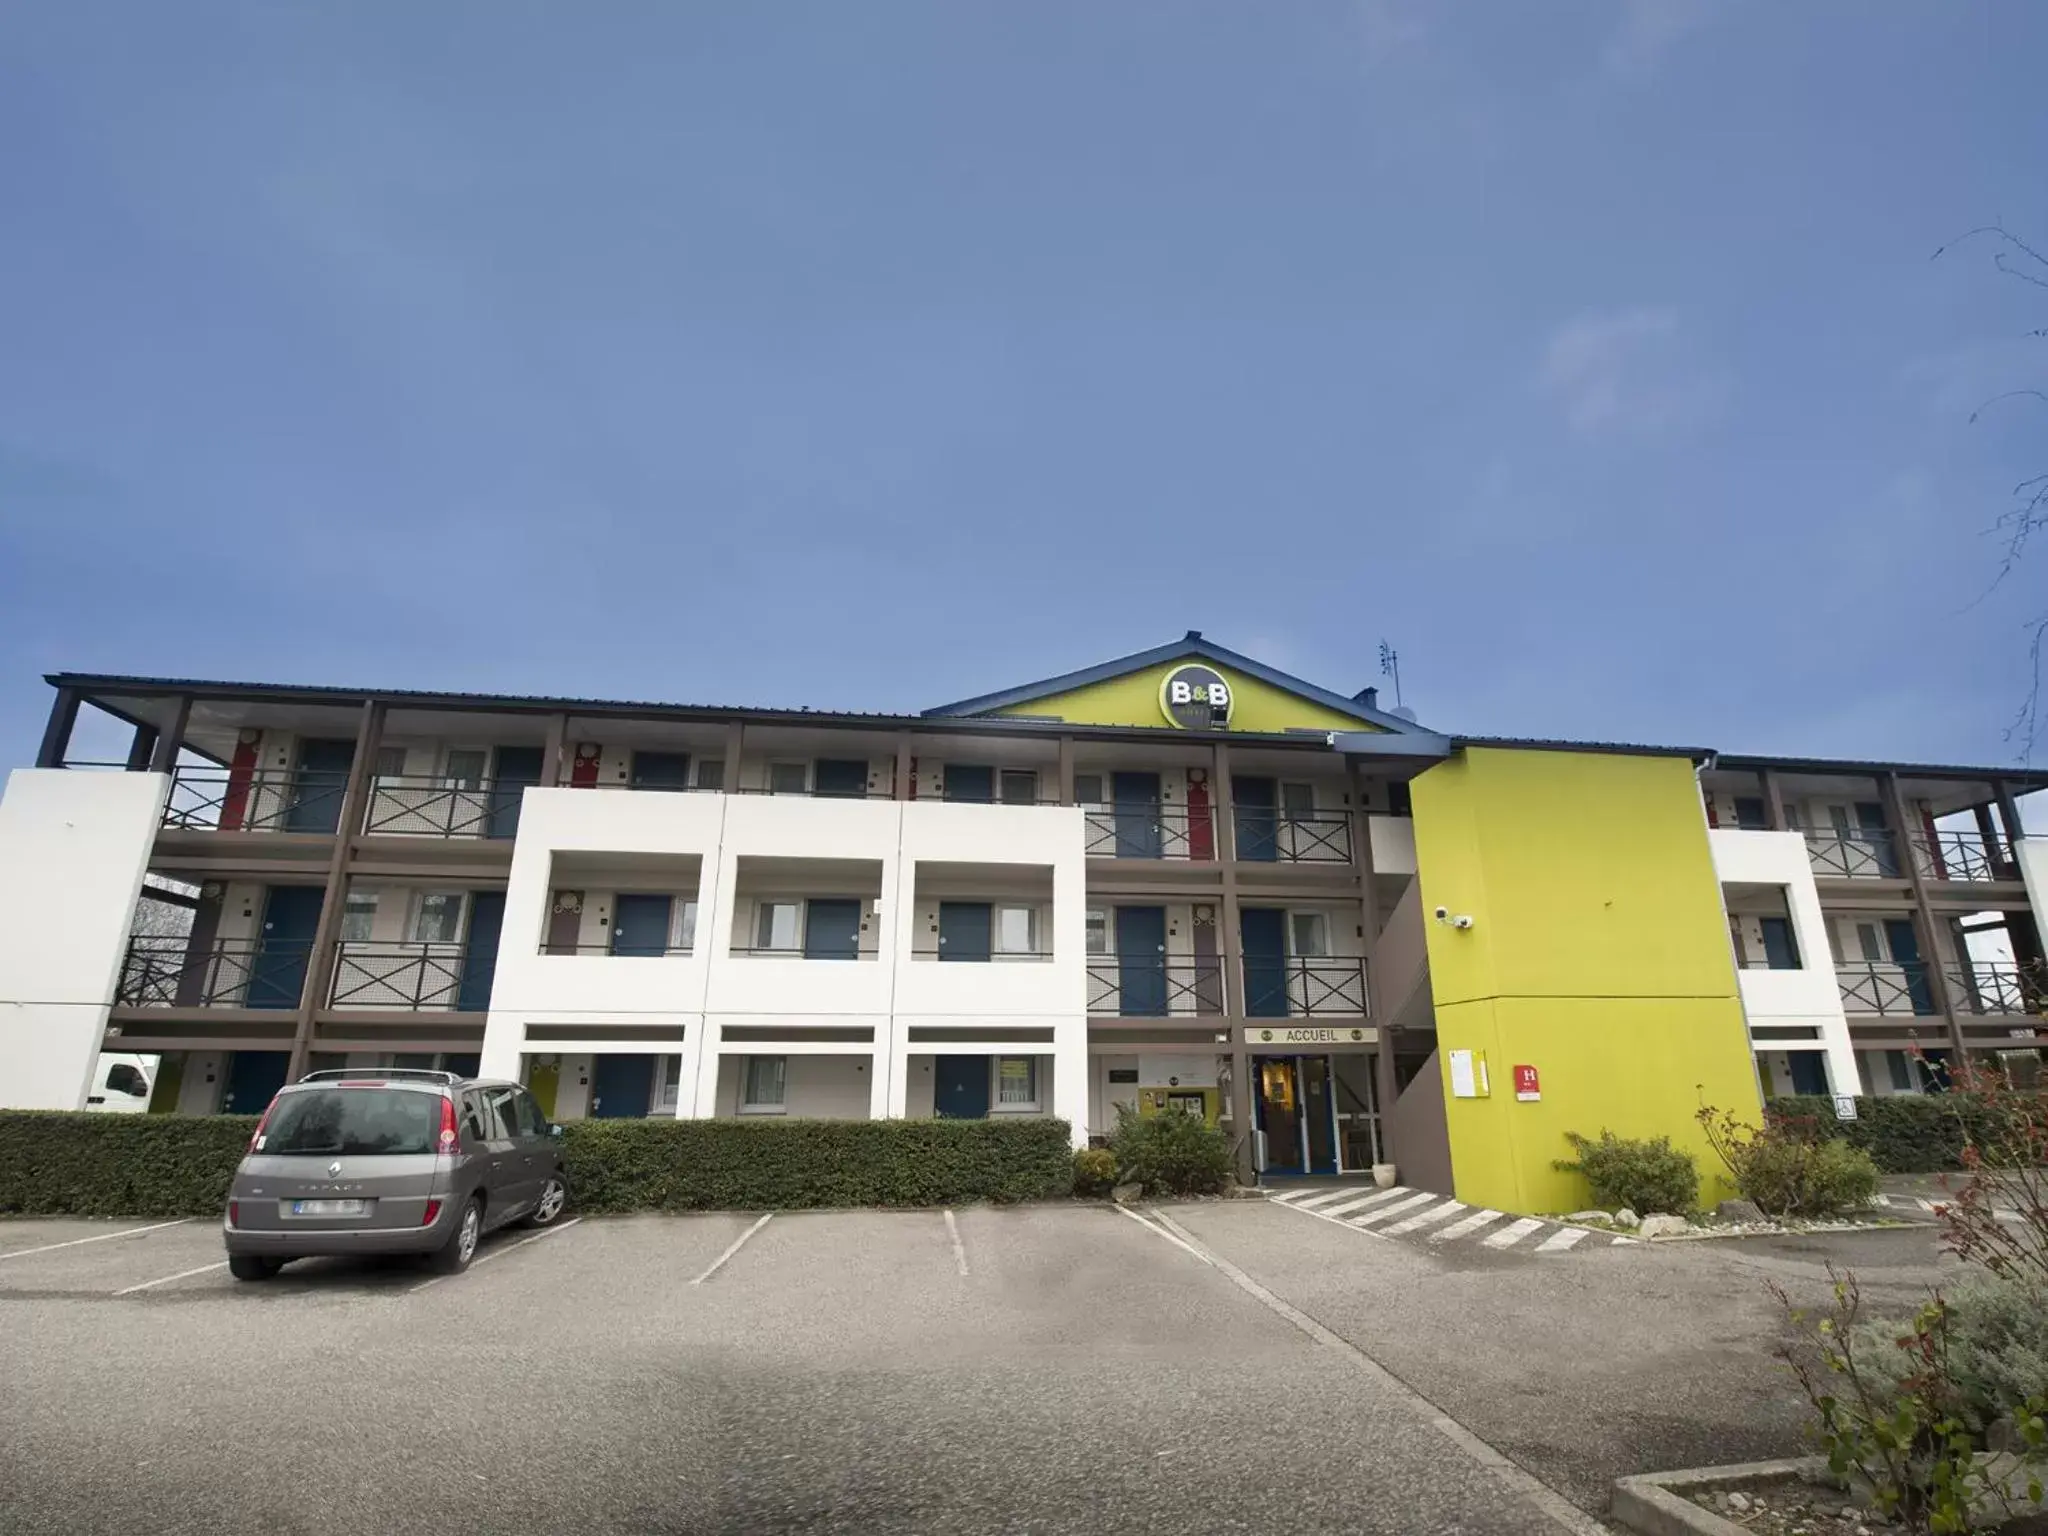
x=359, y=1121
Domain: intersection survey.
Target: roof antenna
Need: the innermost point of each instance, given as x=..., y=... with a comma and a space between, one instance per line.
x=1390, y=666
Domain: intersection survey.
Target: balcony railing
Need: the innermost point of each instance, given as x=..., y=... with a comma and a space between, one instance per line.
x=1270, y=836
x=411, y=975
x=955, y=955
x=1304, y=987
x=1147, y=831
x=221, y=800
x=630, y=950
x=1889, y=989
x=798, y=952
x=433, y=807
x=1156, y=988
x=174, y=972
x=1994, y=987
x=1965, y=856
x=1858, y=854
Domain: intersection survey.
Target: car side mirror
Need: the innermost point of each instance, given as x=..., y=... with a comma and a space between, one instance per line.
x=555, y=1131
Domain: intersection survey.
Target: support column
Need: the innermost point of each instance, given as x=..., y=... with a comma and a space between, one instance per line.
x=1369, y=914
x=735, y=744
x=141, y=749
x=905, y=789
x=555, y=746
x=1066, y=770
x=57, y=732
x=1932, y=935
x=1774, y=801
x=1241, y=1122
x=320, y=964
x=168, y=745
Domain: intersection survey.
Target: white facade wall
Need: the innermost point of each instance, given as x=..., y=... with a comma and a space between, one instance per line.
x=1810, y=996
x=2032, y=856
x=1393, y=844
x=74, y=845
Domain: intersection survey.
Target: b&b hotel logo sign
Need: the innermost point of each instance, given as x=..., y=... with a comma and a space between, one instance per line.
x=1196, y=698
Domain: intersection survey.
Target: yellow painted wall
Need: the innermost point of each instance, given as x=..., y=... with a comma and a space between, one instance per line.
x=1133, y=699
x=1598, y=954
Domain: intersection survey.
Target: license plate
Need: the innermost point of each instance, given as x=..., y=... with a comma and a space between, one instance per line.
x=329, y=1207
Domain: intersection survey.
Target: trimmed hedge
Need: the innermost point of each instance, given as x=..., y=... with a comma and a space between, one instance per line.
x=180, y=1165
x=1905, y=1132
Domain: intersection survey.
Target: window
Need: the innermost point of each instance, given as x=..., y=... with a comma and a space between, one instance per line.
x=1017, y=1082
x=1088, y=789
x=788, y=778
x=527, y=1119
x=1900, y=1069
x=390, y=762
x=472, y=1117
x=661, y=770
x=686, y=928
x=711, y=773
x=1020, y=786
x=779, y=925
x=671, y=1086
x=341, y=1122
x=439, y=919
x=1098, y=931
x=501, y=1120
x=124, y=1077
x=465, y=768
x=1298, y=802
x=764, y=1085
x=1311, y=934
x=358, y=915
x=1016, y=930
x=1870, y=943
x=1838, y=816
x=1749, y=813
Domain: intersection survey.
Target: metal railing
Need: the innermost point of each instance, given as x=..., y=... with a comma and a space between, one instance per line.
x=1156, y=988
x=1150, y=831
x=956, y=955
x=1886, y=988
x=414, y=975
x=402, y=806
x=1997, y=987
x=221, y=800
x=175, y=972
x=1965, y=856
x=1854, y=854
x=797, y=952
x=1265, y=835
x=630, y=950
x=1305, y=987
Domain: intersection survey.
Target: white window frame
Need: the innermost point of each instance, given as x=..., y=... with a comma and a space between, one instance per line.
x=668, y=1086
x=762, y=1107
x=697, y=772
x=764, y=927
x=359, y=904
x=1322, y=922
x=449, y=779
x=996, y=945
x=997, y=1106
x=682, y=937
x=1004, y=774
x=1296, y=815
x=1102, y=785
x=419, y=912
x=1108, y=950
x=802, y=767
x=386, y=754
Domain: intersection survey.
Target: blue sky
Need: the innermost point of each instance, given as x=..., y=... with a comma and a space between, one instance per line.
x=878, y=355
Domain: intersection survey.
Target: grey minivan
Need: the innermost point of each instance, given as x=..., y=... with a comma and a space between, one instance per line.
x=391, y=1160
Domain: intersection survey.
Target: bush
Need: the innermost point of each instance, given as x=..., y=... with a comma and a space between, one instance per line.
x=1645, y=1176
x=1171, y=1153
x=181, y=1165
x=1789, y=1167
x=1905, y=1132
x=1094, y=1171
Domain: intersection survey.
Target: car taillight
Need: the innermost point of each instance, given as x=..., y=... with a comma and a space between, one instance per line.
x=256, y=1141
x=433, y=1210
x=234, y=1213
x=450, y=1141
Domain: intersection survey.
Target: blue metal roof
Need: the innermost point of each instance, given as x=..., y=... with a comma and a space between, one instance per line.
x=1193, y=645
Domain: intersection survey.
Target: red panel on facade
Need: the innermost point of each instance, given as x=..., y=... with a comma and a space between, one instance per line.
x=234, y=804
x=583, y=771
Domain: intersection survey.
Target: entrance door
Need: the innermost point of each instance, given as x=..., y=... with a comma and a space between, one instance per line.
x=1904, y=943
x=1318, y=1112
x=253, y=1080
x=640, y=924
x=1279, y=1113
x=1809, y=1071
x=1871, y=822
x=1254, y=804
x=964, y=930
x=1264, y=933
x=960, y=1087
x=621, y=1086
x=840, y=777
x=517, y=767
x=317, y=791
x=832, y=930
x=277, y=972
x=480, y=951
x=1136, y=797
x=1141, y=961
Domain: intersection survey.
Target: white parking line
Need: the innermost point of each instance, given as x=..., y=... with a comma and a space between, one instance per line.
x=1325, y=1197
x=99, y=1237
x=1428, y=1218
x=501, y=1252
x=1375, y=1198
x=737, y=1243
x=150, y=1285
x=1507, y=1237
x=1288, y=1196
x=1561, y=1239
x=1159, y=1231
x=959, y=1251
x=1410, y=1204
x=1466, y=1227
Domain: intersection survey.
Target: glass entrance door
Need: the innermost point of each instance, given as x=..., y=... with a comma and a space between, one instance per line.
x=1280, y=1114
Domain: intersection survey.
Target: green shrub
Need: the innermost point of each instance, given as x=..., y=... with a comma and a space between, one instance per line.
x=1171, y=1153
x=1094, y=1171
x=180, y=1165
x=1645, y=1176
x=1904, y=1132
x=1998, y=1340
x=1790, y=1167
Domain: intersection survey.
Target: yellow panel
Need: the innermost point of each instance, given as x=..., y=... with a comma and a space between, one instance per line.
x=1598, y=954
x=1133, y=699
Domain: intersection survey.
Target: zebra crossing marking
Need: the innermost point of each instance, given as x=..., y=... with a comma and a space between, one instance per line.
x=1561, y=1239
x=1428, y=1218
x=1437, y=1219
x=1507, y=1237
x=1466, y=1227
x=1377, y=1197
x=1396, y=1208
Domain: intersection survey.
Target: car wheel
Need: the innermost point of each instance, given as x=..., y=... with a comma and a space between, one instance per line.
x=249, y=1266
x=554, y=1194
x=453, y=1256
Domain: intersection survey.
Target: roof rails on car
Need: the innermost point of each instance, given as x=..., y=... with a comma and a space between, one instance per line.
x=410, y=1074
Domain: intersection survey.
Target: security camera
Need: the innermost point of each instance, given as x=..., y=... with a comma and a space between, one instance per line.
x=1443, y=914
x=1461, y=921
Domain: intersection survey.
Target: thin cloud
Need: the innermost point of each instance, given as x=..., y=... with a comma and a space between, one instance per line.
x=1627, y=371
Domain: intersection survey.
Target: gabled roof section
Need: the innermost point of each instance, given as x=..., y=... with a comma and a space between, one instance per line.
x=1191, y=647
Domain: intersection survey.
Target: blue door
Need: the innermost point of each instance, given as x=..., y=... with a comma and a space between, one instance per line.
x=964, y=930
x=253, y=1080
x=840, y=778
x=640, y=924
x=318, y=787
x=967, y=781
x=1781, y=953
x=1877, y=834
x=277, y=971
x=832, y=930
x=1264, y=932
x=1141, y=961
x=480, y=951
x=621, y=1087
x=1136, y=798
x=1904, y=944
x=1255, y=807
x=1809, y=1072
x=517, y=767
x=960, y=1087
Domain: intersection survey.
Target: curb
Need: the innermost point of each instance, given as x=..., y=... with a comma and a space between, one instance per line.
x=1658, y=1503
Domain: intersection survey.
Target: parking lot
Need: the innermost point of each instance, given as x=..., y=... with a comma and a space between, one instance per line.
x=1221, y=1365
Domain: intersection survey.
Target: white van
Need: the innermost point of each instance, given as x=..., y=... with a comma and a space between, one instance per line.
x=121, y=1085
